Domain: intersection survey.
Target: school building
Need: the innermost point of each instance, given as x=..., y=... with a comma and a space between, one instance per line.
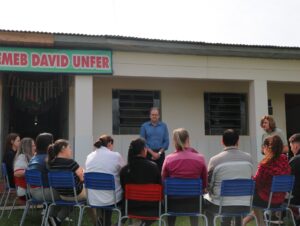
x=79, y=87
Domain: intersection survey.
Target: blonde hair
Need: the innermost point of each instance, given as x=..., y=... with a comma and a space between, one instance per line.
x=180, y=136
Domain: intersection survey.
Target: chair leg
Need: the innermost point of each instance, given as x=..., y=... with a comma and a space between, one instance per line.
x=215, y=220
x=255, y=219
x=2, y=199
x=81, y=211
x=47, y=214
x=267, y=221
x=119, y=216
x=25, y=213
x=13, y=206
x=205, y=220
x=5, y=203
x=44, y=223
x=292, y=215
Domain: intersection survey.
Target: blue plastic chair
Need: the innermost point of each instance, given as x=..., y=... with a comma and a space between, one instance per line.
x=64, y=179
x=234, y=188
x=179, y=187
x=101, y=182
x=8, y=191
x=33, y=177
x=281, y=183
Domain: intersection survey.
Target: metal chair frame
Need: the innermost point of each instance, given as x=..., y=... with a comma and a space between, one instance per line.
x=234, y=188
x=101, y=181
x=183, y=187
x=280, y=183
x=33, y=177
x=64, y=179
x=8, y=190
x=143, y=193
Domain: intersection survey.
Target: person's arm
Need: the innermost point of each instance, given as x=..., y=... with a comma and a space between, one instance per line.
x=285, y=149
x=165, y=171
x=143, y=131
x=204, y=177
x=19, y=173
x=165, y=144
x=155, y=155
x=79, y=173
x=20, y=165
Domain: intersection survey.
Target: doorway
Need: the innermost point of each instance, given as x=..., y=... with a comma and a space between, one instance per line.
x=292, y=109
x=36, y=103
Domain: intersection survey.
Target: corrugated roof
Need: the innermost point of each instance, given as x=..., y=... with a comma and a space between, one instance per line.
x=150, y=39
x=135, y=44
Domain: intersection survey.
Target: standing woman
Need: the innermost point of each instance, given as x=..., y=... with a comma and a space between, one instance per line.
x=267, y=123
x=60, y=158
x=274, y=163
x=184, y=162
x=25, y=152
x=11, y=147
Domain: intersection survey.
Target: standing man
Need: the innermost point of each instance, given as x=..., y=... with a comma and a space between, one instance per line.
x=156, y=135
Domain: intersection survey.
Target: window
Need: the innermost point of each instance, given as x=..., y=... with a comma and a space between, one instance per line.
x=131, y=109
x=225, y=111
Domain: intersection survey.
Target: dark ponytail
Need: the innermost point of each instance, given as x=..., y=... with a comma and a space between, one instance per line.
x=56, y=148
x=103, y=140
x=135, y=148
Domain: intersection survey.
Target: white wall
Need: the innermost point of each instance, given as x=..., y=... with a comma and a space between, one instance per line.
x=182, y=80
x=205, y=67
x=182, y=106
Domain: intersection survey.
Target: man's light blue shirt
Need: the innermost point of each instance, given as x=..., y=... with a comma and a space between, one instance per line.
x=156, y=136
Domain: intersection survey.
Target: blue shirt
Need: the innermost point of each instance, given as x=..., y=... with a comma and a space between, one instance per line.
x=156, y=136
x=38, y=162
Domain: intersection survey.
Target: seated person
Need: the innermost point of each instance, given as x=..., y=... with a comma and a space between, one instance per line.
x=184, y=162
x=22, y=158
x=60, y=158
x=140, y=170
x=104, y=160
x=274, y=163
x=295, y=166
x=11, y=147
x=38, y=162
x=231, y=163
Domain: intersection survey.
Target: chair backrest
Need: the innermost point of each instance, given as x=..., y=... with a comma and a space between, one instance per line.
x=282, y=183
x=62, y=180
x=228, y=171
x=33, y=177
x=144, y=193
x=100, y=181
x=237, y=187
x=183, y=187
x=5, y=176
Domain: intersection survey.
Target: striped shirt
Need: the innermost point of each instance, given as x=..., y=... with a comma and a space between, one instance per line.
x=64, y=164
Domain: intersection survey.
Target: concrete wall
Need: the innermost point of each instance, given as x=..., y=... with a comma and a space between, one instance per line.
x=182, y=80
x=182, y=106
x=205, y=67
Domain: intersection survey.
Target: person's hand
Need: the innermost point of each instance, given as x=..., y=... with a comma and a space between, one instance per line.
x=155, y=156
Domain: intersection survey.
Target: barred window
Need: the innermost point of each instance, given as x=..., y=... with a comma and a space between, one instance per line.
x=131, y=109
x=225, y=111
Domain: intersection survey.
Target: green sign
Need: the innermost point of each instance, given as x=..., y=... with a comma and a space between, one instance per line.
x=56, y=60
